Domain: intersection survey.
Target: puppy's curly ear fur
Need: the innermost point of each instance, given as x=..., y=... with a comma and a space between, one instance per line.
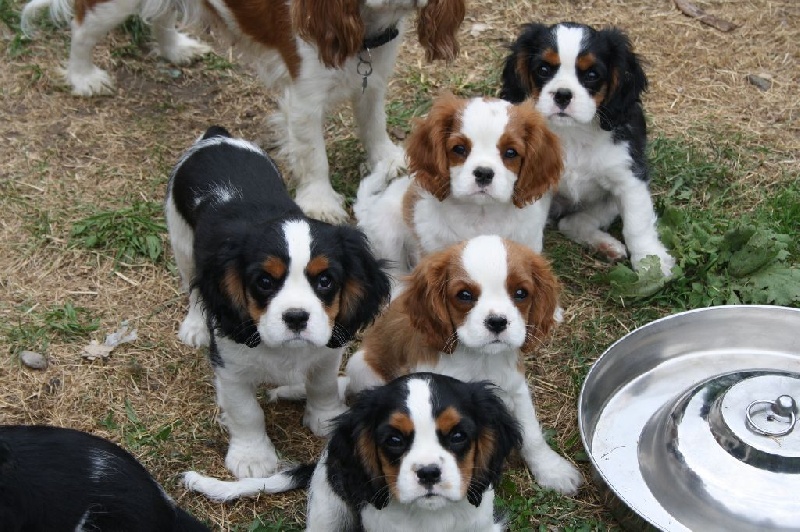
x=628, y=82
x=333, y=26
x=424, y=301
x=427, y=146
x=541, y=316
x=543, y=163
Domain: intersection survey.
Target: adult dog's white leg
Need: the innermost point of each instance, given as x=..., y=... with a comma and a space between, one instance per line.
x=83, y=76
x=369, y=109
x=174, y=46
x=250, y=452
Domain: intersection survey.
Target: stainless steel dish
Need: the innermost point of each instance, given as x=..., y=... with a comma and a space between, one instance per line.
x=691, y=422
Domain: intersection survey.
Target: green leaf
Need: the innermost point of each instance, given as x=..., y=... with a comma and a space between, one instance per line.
x=627, y=284
x=760, y=249
x=775, y=284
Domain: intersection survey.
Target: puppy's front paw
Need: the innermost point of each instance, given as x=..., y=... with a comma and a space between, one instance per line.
x=319, y=421
x=251, y=459
x=193, y=332
x=322, y=203
x=612, y=249
x=555, y=472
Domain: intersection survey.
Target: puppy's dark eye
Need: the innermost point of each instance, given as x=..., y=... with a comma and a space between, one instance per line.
x=457, y=437
x=264, y=283
x=395, y=441
x=543, y=70
x=520, y=294
x=460, y=149
x=465, y=295
x=591, y=75
x=510, y=153
x=324, y=281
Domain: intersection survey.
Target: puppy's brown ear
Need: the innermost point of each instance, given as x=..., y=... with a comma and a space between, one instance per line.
x=437, y=28
x=427, y=146
x=334, y=26
x=543, y=162
x=425, y=301
x=541, y=315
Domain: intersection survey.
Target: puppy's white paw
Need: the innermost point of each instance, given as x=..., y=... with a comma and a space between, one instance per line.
x=555, y=472
x=93, y=83
x=193, y=332
x=611, y=248
x=184, y=50
x=289, y=392
x=319, y=421
x=251, y=459
x=321, y=202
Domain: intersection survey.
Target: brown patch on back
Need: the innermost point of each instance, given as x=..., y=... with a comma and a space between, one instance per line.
x=267, y=23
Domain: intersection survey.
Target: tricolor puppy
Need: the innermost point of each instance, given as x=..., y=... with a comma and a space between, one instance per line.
x=57, y=479
x=282, y=293
x=479, y=166
x=588, y=83
x=475, y=310
x=315, y=53
x=423, y=452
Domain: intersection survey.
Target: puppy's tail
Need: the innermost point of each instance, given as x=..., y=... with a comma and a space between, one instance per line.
x=222, y=490
x=60, y=12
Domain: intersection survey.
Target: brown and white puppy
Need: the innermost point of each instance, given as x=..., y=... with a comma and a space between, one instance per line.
x=316, y=53
x=479, y=166
x=472, y=311
x=424, y=452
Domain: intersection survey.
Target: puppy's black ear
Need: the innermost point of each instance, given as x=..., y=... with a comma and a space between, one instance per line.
x=626, y=84
x=365, y=287
x=216, y=131
x=218, y=277
x=499, y=434
x=518, y=75
x=353, y=466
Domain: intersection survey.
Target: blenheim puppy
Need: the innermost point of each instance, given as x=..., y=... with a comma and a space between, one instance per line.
x=588, y=83
x=479, y=166
x=282, y=293
x=422, y=453
x=472, y=311
x=316, y=53
x=57, y=479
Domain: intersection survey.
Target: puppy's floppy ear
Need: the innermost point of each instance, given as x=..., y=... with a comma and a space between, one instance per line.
x=541, y=315
x=425, y=300
x=218, y=277
x=628, y=80
x=499, y=434
x=354, y=470
x=437, y=28
x=365, y=288
x=427, y=146
x=543, y=162
x=334, y=26
x=517, y=76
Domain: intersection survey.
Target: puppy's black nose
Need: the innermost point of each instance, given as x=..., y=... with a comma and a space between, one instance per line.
x=562, y=97
x=496, y=324
x=429, y=475
x=296, y=319
x=483, y=175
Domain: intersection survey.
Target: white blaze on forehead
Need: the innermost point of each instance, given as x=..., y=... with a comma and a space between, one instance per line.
x=420, y=409
x=484, y=122
x=298, y=244
x=568, y=41
x=484, y=259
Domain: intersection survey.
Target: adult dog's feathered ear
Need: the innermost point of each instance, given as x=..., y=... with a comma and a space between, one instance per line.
x=218, y=277
x=365, y=288
x=354, y=470
x=426, y=147
x=333, y=26
x=499, y=434
x=437, y=28
x=425, y=300
x=543, y=162
x=627, y=81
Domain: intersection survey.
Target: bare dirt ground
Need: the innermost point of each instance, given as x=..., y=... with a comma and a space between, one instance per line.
x=63, y=158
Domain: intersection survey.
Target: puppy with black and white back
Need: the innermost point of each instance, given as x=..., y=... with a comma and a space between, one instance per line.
x=423, y=452
x=275, y=295
x=57, y=479
x=589, y=83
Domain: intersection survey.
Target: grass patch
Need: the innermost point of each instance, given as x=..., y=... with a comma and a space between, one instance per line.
x=36, y=330
x=129, y=234
x=135, y=433
x=270, y=523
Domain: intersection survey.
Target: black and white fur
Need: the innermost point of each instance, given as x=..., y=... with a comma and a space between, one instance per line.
x=588, y=83
x=422, y=452
x=54, y=479
x=275, y=294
